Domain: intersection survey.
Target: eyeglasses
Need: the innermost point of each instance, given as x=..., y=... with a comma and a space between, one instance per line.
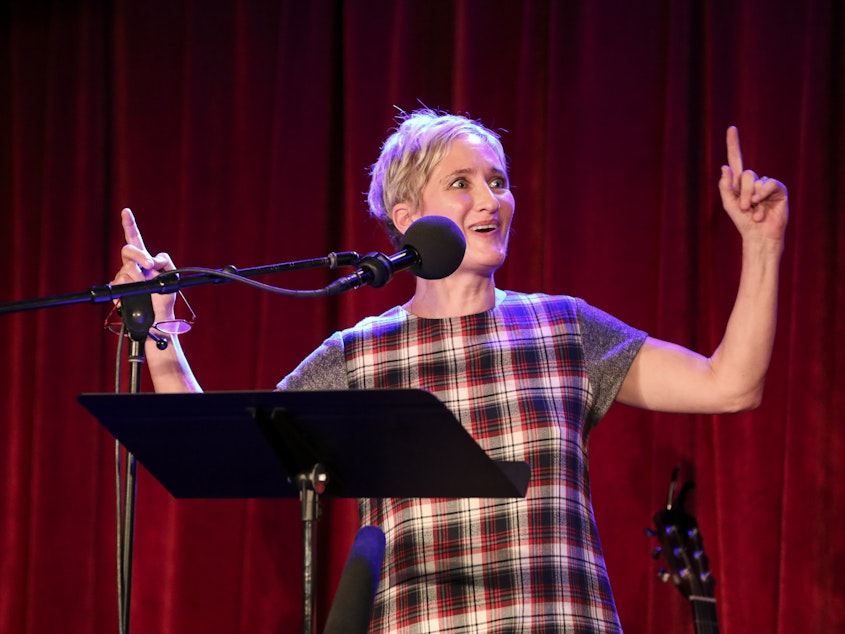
x=114, y=321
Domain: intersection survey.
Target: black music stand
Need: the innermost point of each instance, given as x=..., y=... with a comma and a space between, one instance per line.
x=351, y=444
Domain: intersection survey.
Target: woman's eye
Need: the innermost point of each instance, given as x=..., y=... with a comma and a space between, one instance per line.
x=498, y=183
x=459, y=184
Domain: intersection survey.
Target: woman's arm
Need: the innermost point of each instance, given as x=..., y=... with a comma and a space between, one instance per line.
x=667, y=377
x=169, y=368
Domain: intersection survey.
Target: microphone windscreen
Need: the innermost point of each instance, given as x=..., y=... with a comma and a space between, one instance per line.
x=440, y=244
x=352, y=607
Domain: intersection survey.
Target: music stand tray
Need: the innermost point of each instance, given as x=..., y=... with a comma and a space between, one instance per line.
x=374, y=443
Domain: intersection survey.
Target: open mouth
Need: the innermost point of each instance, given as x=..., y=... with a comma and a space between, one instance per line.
x=484, y=228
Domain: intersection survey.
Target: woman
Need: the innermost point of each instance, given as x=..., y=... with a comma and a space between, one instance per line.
x=527, y=375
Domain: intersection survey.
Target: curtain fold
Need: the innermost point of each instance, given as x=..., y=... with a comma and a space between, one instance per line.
x=241, y=133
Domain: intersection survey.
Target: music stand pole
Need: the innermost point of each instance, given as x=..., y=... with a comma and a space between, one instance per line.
x=311, y=485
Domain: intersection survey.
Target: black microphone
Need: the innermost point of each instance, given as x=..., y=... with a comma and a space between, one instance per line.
x=433, y=248
x=352, y=607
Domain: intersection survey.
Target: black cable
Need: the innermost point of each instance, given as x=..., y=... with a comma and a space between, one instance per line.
x=231, y=276
x=118, y=484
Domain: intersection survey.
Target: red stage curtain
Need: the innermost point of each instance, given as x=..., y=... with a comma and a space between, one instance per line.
x=240, y=133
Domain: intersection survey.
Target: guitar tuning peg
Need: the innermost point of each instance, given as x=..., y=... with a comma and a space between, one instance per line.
x=650, y=532
x=655, y=554
x=664, y=575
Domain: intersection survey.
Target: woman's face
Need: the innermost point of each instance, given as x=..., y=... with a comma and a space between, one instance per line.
x=470, y=187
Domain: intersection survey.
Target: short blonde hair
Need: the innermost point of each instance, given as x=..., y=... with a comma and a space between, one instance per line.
x=409, y=155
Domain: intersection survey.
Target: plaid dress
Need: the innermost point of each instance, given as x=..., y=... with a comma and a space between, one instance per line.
x=528, y=380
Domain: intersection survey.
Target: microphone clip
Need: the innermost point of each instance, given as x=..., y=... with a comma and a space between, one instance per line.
x=376, y=269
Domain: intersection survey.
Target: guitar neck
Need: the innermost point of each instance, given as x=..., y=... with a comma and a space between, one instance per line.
x=704, y=615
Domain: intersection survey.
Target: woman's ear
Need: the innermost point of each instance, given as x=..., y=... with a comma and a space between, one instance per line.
x=403, y=216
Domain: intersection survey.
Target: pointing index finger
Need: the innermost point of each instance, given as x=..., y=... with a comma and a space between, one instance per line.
x=734, y=155
x=130, y=229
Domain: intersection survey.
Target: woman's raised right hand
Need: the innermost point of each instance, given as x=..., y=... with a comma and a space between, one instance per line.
x=139, y=265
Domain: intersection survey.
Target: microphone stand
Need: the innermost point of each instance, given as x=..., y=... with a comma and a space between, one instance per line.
x=138, y=318
x=170, y=282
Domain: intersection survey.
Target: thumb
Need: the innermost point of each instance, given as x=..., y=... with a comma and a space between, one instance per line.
x=163, y=262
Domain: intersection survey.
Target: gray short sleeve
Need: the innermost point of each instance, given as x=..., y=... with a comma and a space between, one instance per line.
x=323, y=369
x=610, y=346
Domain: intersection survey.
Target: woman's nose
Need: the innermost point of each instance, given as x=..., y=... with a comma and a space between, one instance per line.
x=487, y=200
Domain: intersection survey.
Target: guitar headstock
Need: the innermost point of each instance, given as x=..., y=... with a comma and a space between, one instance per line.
x=681, y=547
